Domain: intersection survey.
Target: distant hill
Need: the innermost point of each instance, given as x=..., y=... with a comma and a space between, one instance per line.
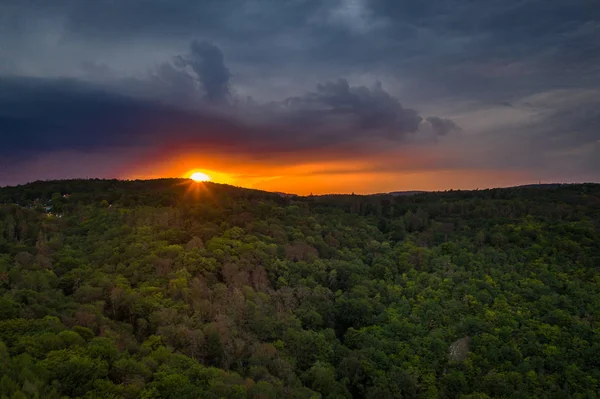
x=403, y=193
x=541, y=185
x=544, y=185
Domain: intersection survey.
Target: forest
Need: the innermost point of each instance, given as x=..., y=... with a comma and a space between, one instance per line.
x=170, y=288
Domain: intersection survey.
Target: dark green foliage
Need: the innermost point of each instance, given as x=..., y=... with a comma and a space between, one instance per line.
x=172, y=289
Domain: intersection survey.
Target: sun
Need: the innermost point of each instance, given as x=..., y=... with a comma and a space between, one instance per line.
x=199, y=176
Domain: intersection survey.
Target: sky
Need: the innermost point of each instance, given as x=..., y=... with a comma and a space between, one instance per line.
x=302, y=96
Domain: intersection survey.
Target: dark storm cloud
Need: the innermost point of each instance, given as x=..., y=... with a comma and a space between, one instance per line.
x=456, y=59
x=207, y=61
x=336, y=106
x=497, y=48
x=198, y=76
x=43, y=115
x=444, y=47
x=108, y=20
x=39, y=115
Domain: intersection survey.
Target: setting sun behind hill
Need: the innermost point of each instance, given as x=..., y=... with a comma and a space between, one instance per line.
x=199, y=177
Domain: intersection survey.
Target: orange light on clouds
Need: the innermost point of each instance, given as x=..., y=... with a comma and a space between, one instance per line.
x=411, y=170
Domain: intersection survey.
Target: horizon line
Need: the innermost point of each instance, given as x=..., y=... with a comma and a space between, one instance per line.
x=407, y=191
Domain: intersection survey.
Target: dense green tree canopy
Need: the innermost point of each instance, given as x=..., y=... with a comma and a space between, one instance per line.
x=173, y=289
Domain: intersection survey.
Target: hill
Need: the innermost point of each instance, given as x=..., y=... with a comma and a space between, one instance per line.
x=173, y=289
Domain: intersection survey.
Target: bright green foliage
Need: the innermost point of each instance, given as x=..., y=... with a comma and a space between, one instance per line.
x=167, y=289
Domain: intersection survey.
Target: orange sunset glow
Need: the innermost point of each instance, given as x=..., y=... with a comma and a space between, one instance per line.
x=199, y=176
x=294, y=111
x=323, y=177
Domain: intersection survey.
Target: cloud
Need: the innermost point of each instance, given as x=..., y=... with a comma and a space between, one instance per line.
x=355, y=16
x=40, y=115
x=188, y=102
x=339, y=107
x=44, y=115
x=439, y=49
x=207, y=61
x=442, y=64
x=441, y=126
x=551, y=133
